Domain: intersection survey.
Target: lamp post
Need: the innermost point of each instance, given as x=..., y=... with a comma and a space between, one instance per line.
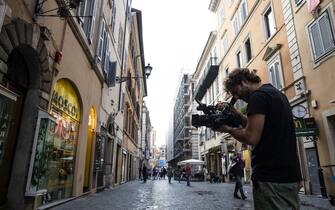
x=147, y=72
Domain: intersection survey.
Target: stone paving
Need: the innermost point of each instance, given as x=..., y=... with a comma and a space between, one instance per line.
x=159, y=194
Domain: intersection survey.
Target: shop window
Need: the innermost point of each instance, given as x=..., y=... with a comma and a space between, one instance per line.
x=53, y=157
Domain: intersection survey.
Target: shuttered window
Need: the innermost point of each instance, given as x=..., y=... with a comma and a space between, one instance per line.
x=321, y=36
x=91, y=23
x=275, y=73
x=86, y=17
x=113, y=15
x=111, y=77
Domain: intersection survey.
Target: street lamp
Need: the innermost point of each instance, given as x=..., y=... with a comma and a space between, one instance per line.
x=147, y=72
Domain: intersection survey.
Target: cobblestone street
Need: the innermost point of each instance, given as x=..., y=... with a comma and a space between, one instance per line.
x=159, y=194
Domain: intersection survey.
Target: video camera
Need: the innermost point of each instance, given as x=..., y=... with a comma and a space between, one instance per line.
x=214, y=118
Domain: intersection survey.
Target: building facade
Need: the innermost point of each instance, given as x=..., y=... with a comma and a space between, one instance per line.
x=311, y=34
x=62, y=98
x=182, y=122
x=278, y=51
x=45, y=95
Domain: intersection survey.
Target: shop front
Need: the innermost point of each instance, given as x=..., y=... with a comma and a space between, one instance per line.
x=51, y=172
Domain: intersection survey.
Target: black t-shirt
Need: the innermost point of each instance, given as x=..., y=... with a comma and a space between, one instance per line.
x=274, y=158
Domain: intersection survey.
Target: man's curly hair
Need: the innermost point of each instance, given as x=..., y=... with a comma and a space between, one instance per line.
x=238, y=75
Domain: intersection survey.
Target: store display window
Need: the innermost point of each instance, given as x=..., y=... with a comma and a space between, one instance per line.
x=54, y=154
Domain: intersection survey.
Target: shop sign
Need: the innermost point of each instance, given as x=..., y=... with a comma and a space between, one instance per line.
x=65, y=99
x=305, y=127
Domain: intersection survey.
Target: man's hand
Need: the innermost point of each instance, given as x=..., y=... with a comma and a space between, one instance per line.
x=224, y=129
x=221, y=105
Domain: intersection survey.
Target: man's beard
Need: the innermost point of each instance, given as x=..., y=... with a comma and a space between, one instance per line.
x=245, y=95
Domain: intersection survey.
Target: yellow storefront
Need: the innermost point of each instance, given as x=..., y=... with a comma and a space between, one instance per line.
x=55, y=143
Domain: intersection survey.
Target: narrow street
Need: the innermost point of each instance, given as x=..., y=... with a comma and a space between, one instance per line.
x=159, y=194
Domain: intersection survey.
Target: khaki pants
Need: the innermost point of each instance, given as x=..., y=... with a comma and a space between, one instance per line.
x=276, y=196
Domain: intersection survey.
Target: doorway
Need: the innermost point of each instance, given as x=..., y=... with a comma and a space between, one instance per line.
x=10, y=104
x=313, y=165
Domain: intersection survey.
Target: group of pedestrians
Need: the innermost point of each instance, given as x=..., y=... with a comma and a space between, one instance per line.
x=179, y=173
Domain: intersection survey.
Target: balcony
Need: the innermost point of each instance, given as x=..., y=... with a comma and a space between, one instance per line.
x=210, y=73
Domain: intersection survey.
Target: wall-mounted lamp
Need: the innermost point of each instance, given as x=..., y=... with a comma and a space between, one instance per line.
x=147, y=72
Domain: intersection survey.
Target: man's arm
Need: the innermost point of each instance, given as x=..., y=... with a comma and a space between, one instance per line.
x=251, y=134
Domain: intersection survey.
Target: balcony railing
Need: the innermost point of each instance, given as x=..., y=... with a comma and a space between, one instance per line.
x=210, y=73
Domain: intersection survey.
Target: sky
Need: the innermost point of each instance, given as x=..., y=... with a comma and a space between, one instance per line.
x=175, y=33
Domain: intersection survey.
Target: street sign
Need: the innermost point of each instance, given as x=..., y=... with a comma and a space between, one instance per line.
x=305, y=127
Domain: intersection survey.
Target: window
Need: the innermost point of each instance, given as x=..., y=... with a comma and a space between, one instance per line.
x=236, y=26
x=225, y=44
x=243, y=11
x=113, y=15
x=269, y=23
x=222, y=15
x=239, y=59
x=275, y=73
x=247, y=48
x=87, y=8
x=322, y=43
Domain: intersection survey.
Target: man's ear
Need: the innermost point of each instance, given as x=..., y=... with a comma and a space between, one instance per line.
x=244, y=82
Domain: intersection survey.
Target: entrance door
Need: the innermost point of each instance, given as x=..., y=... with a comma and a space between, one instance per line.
x=313, y=166
x=10, y=104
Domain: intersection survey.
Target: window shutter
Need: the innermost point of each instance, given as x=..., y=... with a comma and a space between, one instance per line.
x=101, y=39
x=122, y=102
x=327, y=34
x=277, y=75
x=111, y=77
x=271, y=72
x=92, y=21
x=113, y=16
x=106, y=57
x=316, y=40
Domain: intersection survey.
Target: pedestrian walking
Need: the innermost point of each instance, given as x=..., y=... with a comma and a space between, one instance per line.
x=169, y=174
x=144, y=173
x=154, y=173
x=178, y=173
x=268, y=127
x=237, y=171
x=205, y=171
x=164, y=172
x=188, y=173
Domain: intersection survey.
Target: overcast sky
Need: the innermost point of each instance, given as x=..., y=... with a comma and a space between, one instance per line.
x=175, y=33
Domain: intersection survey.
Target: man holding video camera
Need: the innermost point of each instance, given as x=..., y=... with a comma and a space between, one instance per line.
x=268, y=127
